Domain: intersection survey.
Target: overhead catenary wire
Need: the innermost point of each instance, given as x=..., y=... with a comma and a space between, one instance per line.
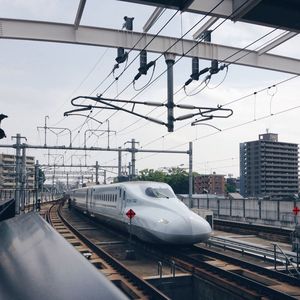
x=127, y=66
x=260, y=38
x=225, y=59
x=157, y=59
x=228, y=128
x=237, y=59
x=183, y=53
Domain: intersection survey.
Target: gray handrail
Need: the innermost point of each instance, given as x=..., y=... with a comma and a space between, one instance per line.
x=287, y=259
x=280, y=256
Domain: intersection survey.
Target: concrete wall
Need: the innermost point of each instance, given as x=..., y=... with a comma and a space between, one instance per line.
x=268, y=212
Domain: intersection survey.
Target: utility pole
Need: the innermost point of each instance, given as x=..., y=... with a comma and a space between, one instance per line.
x=97, y=172
x=133, y=150
x=104, y=174
x=119, y=164
x=62, y=129
x=107, y=133
x=18, y=147
x=190, y=175
x=67, y=181
x=23, y=179
x=53, y=180
x=170, y=60
x=36, y=168
x=133, y=159
x=45, y=128
x=129, y=171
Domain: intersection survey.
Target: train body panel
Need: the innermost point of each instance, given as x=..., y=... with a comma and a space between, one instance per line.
x=160, y=216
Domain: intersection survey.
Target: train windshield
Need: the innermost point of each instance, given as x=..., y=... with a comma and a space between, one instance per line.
x=159, y=193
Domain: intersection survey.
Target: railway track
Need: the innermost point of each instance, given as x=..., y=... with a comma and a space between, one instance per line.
x=247, y=280
x=133, y=286
x=237, y=277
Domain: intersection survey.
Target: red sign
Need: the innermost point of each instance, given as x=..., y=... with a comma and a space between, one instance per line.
x=296, y=210
x=130, y=213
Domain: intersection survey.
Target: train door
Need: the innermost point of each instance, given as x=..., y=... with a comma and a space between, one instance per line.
x=90, y=200
x=123, y=200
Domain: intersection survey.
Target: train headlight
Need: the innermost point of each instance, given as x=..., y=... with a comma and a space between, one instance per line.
x=163, y=221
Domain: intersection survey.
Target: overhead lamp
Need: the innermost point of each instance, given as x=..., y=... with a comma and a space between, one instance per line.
x=2, y=133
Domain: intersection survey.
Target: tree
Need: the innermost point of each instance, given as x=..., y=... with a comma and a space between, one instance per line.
x=41, y=178
x=176, y=177
x=230, y=188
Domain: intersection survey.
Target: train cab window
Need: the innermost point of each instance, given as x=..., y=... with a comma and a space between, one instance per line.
x=159, y=193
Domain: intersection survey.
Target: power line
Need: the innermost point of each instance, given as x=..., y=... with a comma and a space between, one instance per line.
x=156, y=60
x=80, y=84
x=230, y=128
x=185, y=54
x=226, y=104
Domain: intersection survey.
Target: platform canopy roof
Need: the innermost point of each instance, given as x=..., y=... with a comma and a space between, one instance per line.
x=266, y=12
x=275, y=13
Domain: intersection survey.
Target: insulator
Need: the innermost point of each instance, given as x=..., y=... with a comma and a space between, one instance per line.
x=214, y=66
x=122, y=55
x=143, y=62
x=195, y=68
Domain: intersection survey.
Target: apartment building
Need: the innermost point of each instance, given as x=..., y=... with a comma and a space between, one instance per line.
x=268, y=168
x=8, y=171
x=211, y=184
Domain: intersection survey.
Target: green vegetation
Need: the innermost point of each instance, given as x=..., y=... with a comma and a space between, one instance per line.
x=230, y=188
x=176, y=177
x=41, y=178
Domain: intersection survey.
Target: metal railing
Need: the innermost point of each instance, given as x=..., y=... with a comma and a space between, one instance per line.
x=287, y=262
x=277, y=255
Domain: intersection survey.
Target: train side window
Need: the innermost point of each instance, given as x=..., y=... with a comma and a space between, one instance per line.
x=124, y=195
x=120, y=193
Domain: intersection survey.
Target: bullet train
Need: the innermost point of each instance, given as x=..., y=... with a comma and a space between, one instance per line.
x=160, y=217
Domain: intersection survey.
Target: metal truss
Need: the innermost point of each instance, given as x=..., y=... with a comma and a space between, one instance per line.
x=104, y=37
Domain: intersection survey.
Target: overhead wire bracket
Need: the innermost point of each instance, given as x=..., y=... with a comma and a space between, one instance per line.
x=206, y=113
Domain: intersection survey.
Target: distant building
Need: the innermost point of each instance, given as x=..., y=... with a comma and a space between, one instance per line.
x=8, y=171
x=211, y=184
x=268, y=168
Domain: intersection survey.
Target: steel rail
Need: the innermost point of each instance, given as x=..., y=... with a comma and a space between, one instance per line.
x=250, y=266
x=235, y=283
x=243, y=282
x=253, y=250
x=121, y=268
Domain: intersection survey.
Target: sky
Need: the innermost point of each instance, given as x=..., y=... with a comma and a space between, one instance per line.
x=39, y=79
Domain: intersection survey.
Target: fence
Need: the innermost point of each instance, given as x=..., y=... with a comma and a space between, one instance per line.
x=261, y=211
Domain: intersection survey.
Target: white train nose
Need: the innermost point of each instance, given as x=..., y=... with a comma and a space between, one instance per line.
x=181, y=230
x=200, y=229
